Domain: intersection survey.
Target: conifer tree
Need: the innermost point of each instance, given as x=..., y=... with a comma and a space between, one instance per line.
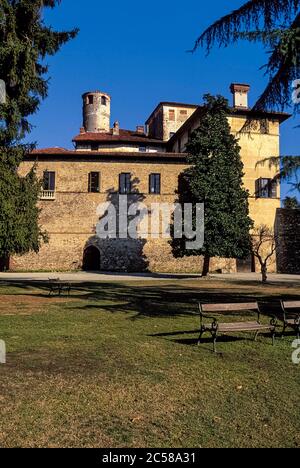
x=215, y=179
x=25, y=42
x=276, y=23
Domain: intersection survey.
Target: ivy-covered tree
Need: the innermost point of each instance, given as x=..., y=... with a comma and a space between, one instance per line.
x=25, y=42
x=215, y=178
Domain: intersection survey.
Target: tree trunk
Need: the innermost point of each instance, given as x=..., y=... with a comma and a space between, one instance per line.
x=206, y=265
x=4, y=263
x=264, y=273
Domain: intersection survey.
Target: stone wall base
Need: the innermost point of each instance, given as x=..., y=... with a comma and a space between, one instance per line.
x=66, y=253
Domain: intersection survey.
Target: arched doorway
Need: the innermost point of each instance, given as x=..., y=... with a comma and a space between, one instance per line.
x=91, y=259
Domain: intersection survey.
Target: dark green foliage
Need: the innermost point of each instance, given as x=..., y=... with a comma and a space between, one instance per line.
x=291, y=203
x=276, y=23
x=215, y=179
x=25, y=41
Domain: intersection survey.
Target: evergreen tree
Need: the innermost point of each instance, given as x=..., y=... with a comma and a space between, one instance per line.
x=215, y=179
x=291, y=203
x=276, y=23
x=25, y=42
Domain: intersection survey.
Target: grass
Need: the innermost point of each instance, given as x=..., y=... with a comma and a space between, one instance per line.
x=117, y=365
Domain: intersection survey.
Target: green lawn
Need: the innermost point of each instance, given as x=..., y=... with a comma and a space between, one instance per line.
x=117, y=365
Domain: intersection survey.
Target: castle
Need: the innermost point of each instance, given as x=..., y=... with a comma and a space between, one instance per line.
x=144, y=164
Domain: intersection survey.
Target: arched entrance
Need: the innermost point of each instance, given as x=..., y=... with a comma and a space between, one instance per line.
x=91, y=259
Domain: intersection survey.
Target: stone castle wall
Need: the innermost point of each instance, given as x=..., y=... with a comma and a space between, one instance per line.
x=71, y=218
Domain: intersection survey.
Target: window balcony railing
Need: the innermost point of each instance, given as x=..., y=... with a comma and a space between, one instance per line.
x=47, y=195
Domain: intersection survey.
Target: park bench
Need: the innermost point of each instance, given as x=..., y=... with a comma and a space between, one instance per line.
x=212, y=320
x=290, y=316
x=56, y=286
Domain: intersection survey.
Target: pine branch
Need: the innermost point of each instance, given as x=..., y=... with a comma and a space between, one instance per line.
x=253, y=15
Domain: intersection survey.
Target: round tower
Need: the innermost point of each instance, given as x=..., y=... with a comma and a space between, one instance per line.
x=96, y=112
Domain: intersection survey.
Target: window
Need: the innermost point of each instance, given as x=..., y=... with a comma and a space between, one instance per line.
x=264, y=127
x=154, y=184
x=142, y=149
x=266, y=188
x=94, y=182
x=103, y=100
x=90, y=99
x=94, y=146
x=172, y=115
x=183, y=112
x=49, y=181
x=125, y=183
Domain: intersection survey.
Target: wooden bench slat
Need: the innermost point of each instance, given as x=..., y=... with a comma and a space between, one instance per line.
x=291, y=304
x=246, y=326
x=229, y=307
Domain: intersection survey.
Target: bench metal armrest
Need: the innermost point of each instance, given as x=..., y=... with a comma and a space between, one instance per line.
x=214, y=321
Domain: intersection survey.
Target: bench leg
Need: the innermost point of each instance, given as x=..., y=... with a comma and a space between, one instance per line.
x=283, y=331
x=256, y=336
x=215, y=337
x=273, y=337
x=202, y=331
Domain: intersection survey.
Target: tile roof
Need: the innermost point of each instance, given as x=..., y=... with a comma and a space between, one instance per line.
x=53, y=150
x=124, y=136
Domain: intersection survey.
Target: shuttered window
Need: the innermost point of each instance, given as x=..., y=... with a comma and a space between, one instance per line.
x=49, y=181
x=154, y=184
x=94, y=182
x=125, y=183
x=266, y=188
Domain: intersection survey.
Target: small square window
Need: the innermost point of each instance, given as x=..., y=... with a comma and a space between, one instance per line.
x=90, y=99
x=94, y=146
x=266, y=188
x=103, y=100
x=172, y=115
x=264, y=127
x=143, y=149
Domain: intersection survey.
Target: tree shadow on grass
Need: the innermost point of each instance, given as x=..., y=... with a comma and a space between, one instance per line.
x=160, y=300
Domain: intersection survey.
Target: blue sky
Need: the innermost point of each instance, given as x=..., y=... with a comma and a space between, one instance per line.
x=136, y=51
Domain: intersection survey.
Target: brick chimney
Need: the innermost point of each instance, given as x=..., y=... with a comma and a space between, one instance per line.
x=140, y=129
x=240, y=95
x=116, y=128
